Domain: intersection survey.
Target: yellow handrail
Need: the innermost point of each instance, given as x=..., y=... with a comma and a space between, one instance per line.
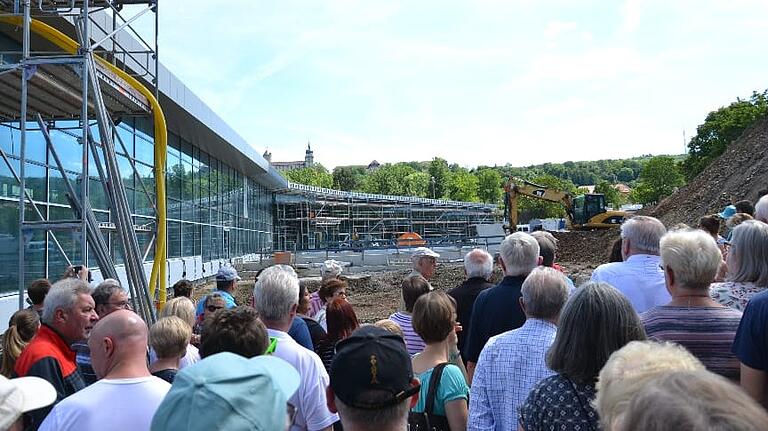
x=158, y=276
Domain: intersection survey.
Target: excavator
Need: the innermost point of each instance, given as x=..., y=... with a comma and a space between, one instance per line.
x=583, y=212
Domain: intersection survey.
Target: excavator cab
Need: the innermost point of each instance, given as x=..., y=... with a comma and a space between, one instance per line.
x=587, y=206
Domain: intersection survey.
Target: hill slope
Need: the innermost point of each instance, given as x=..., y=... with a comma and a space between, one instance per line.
x=740, y=173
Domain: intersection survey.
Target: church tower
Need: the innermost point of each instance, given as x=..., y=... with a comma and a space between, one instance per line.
x=309, y=158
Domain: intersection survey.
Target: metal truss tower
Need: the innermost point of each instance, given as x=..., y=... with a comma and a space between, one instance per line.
x=80, y=61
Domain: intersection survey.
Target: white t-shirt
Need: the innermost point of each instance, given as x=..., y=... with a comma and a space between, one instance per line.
x=109, y=404
x=192, y=357
x=309, y=399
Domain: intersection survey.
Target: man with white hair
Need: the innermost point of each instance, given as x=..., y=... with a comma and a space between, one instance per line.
x=498, y=309
x=639, y=276
x=276, y=297
x=515, y=360
x=478, y=267
x=69, y=314
x=761, y=209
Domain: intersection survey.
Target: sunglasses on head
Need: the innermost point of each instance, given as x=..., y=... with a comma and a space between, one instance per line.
x=213, y=308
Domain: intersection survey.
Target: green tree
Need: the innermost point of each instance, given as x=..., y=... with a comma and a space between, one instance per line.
x=659, y=179
x=463, y=186
x=625, y=174
x=720, y=128
x=390, y=179
x=347, y=178
x=417, y=184
x=489, y=187
x=312, y=176
x=438, y=170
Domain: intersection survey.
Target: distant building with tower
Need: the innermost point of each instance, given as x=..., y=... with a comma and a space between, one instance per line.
x=308, y=162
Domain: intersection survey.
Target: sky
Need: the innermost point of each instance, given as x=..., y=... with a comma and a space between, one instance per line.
x=482, y=82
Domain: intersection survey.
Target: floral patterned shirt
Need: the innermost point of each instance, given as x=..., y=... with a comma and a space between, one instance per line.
x=734, y=294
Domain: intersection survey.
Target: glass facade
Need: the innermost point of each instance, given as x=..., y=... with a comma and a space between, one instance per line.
x=213, y=211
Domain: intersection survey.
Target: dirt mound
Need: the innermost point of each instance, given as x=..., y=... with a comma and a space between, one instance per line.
x=738, y=174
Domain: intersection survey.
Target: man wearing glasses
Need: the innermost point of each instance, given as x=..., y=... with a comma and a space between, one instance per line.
x=109, y=297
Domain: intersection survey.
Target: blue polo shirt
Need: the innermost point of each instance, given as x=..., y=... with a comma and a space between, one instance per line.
x=496, y=310
x=229, y=301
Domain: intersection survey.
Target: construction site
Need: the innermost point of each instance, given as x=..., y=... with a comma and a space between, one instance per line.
x=111, y=162
x=172, y=191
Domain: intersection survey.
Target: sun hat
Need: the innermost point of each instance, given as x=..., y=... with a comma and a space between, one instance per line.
x=21, y=395
x=229, y=391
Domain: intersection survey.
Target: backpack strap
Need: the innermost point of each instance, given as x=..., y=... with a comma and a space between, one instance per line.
x=434, y=382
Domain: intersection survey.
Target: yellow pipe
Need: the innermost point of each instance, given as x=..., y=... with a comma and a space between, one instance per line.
x=158, y=276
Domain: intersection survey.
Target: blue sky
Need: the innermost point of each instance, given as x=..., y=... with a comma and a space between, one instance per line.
x=476, y=82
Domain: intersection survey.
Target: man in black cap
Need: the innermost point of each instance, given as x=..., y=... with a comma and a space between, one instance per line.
x=372, y=384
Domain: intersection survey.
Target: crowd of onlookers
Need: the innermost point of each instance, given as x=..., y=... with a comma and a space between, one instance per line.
x=671, y=333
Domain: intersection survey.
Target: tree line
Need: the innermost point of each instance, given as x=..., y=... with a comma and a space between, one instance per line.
x=651, y=178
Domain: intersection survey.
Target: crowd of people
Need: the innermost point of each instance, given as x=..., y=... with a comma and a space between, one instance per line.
x=671, y=333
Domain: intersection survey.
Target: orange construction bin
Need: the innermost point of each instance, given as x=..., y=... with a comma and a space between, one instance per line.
x=282, y=258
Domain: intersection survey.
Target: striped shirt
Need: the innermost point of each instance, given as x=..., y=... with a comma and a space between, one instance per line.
x=413, y=341
x=707, y=332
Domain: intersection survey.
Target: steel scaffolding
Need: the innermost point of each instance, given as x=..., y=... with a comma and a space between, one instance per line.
x=85, y=84
x=315, y=218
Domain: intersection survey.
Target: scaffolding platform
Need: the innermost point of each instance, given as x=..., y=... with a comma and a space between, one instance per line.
x=55, y=91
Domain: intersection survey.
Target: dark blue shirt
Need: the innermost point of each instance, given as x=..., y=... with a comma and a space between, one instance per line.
x=300, y=333
x=496, y=310
x=751, y=340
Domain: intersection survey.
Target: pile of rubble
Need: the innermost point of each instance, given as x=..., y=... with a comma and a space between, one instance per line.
x=740, y=173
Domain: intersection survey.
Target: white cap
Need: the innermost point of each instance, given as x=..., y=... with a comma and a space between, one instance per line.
x=21, y=395
x=424, y=251
x=330, y=268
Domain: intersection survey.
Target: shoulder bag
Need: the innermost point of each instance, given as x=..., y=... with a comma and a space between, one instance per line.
x=427, y=420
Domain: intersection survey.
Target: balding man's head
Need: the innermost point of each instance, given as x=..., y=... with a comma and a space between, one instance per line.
x=118, y=344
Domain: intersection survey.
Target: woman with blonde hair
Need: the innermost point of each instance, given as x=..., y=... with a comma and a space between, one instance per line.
x=183, y=308
x=630, y=368
x=22, y=327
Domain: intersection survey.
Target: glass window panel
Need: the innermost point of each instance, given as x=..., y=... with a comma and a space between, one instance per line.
x=36, y=148
x=147, y=175
x=9, y=187
x=174, y=174
x=126, y=171
x=145, y=151
x=9, y=246
x=174, y=239
x=35, y=181
x=188, y=239
x=69, y=150
x=9, y=139
x=144, y=127
x=126, y=136
x=58, y=187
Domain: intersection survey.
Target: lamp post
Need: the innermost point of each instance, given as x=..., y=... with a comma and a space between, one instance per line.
x=432, y=180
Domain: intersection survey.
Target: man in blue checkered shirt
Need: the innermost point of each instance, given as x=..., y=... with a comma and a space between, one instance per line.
x=511, y=363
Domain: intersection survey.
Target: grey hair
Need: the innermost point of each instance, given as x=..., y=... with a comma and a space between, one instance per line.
x=520, y=253
x=105, y=290
x=748, y=256
x=545, y=291
x=643, y=233
x=547, y=246
x=761, y=209
x=63, y=296
x=276, y=291
x=595, y=322
x=390, y=417
x=692, y=255
x=478, y=263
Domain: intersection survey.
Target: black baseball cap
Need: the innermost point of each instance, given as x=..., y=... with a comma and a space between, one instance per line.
x=372, y=359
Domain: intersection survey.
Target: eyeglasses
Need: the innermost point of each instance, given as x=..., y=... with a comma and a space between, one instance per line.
x=340, y=293
x=213, y=308
x=122, y=304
